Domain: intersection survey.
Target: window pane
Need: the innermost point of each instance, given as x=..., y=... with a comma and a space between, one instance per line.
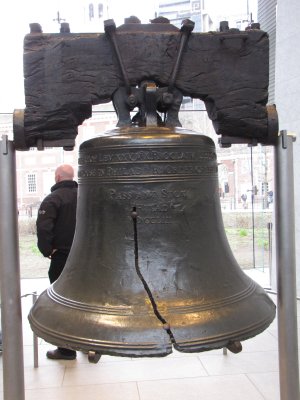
x=31, y=183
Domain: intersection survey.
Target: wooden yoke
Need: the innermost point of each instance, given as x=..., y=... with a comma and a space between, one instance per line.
x=66, y=73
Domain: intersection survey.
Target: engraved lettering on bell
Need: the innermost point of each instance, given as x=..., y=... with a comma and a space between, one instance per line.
x=146, y=170
x=138, y=155
x=155, y=220
x=148, y=194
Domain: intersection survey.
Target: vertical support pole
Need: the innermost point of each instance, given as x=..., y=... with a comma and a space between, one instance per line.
x=286, y=269
x=252, y=208
x=270, y=241
x=35, y=338
x=11, y=315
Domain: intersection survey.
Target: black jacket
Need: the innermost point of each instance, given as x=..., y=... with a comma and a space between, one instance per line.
x=57, y=218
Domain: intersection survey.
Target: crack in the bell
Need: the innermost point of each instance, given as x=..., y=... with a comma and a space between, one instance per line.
x=166, y=325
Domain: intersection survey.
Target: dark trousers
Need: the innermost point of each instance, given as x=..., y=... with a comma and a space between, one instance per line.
x=58, y=261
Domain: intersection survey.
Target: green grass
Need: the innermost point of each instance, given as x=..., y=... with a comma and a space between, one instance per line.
x=34, y=249
x=27, y=244
x=238, y=236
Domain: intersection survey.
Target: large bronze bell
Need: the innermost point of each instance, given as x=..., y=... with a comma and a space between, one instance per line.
x=150, y=266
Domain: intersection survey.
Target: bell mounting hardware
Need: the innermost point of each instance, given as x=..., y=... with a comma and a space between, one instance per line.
x=66, y=73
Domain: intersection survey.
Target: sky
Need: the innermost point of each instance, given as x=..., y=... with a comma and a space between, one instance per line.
x=17, y=15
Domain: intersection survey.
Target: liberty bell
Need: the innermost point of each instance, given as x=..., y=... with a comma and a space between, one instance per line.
x=150, y=267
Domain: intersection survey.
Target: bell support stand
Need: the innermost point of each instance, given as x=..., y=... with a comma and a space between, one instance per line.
x=11, y=313
x=286, y=269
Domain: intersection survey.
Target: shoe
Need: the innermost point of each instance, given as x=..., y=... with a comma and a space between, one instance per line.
x=58, y=355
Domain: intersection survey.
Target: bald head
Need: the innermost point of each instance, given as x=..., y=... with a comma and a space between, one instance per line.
x=64, y=172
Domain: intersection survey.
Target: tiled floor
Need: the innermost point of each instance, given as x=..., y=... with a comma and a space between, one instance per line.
x=249, y=375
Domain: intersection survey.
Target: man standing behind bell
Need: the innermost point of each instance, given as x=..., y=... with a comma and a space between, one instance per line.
x=55, y=231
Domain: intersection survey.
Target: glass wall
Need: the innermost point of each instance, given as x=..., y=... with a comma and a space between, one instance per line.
x=246, y=185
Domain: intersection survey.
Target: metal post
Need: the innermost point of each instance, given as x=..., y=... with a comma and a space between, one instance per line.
x=35, y=338
x=270, y=241
x=11, y=315
x=286, y=269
